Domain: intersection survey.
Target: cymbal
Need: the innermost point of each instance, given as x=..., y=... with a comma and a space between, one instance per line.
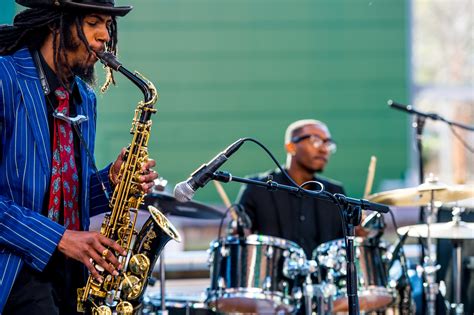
x=449, y=230
x=191, y=209
x=421, y=195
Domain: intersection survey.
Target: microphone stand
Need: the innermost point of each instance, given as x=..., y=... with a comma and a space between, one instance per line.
x=419, y=125
x=352, y=217
x=351, y=213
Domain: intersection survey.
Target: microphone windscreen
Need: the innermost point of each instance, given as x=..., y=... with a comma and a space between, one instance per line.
x=183, y=192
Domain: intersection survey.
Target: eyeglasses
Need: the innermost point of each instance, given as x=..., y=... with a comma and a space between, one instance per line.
x=317, y=142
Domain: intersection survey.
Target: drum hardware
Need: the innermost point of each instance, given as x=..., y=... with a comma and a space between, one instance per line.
x=324, y=293
x=249, y=280
x=375, y=292
x=457, y=231
x=352, y=212
x=163, y=310
x=430, y=267
x=392, y=256
x=431, y=287
x=295, y=265
x=430, y=193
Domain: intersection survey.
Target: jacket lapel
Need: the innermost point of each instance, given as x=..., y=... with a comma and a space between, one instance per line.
x=34, y=100
x=86, y=129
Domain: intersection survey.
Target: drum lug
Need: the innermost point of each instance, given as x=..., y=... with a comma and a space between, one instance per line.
x=269, y=252
x=297, y=293
x=221, y=283
x=210, y=259
x=267, y=283
x=291, y=267
x=224, y=251
x=283, y=286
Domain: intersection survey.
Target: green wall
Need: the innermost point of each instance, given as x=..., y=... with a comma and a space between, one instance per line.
x=7, y=10
x=230, y=69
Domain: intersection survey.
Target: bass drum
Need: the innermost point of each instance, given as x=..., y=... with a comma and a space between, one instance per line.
x=373, y=288
x=257, y=274
x=177, y=305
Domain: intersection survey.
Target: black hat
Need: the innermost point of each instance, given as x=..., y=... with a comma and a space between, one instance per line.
x=98, y=6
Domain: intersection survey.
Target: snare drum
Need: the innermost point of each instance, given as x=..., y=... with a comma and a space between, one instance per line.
x=373, y=288
x=256, y=274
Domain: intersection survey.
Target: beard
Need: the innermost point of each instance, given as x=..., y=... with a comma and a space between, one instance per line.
x=86, y=73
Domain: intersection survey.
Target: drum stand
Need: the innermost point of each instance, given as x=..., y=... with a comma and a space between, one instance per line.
x=324, y=293
x=163, y=310
x=430, y=267
x=457, y=307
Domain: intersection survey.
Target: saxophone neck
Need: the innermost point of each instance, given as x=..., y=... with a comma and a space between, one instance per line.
x=149, y=91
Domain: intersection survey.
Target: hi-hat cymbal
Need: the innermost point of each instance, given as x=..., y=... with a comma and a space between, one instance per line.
x=450, y=230
x=421, y=195
x=190, y=209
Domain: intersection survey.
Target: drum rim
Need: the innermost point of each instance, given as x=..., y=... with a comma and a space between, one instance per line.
x=258, y=239
x=358, y=241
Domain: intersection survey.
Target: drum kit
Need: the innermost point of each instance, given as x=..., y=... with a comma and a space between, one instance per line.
x=258, y=274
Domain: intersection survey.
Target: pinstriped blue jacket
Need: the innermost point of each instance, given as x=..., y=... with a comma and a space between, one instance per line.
x=26, y=236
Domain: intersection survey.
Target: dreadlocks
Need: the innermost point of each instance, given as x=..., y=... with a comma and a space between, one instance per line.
x=32, y=26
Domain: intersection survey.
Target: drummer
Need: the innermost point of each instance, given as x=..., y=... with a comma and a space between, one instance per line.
x=306, y=221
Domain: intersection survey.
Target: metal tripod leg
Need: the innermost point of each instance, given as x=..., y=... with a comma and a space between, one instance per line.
x=163, y=310
x=457, y=307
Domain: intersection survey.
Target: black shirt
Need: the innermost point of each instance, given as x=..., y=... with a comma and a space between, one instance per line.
x=304, y=220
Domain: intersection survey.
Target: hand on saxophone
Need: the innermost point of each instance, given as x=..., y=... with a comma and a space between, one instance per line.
x=146, y=179
x=85, y=246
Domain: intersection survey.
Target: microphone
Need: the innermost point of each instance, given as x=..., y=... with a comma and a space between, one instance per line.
x=184, y=191
x=403, y=108
x=375, y=224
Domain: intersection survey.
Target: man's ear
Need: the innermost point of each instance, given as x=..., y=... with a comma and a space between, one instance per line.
x=290, y=148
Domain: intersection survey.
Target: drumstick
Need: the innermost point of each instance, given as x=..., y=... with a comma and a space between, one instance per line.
x=370, y=176
x=225, y=199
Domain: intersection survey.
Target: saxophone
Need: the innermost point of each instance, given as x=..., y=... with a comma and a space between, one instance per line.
x=122, y=294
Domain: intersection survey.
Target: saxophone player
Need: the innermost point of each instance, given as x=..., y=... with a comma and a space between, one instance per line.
x=49, y=187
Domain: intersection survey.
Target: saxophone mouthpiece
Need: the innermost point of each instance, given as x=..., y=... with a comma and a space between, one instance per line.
x=109, y=60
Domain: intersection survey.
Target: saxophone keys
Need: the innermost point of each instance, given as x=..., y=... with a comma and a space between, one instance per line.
x=131, y=287
x=101, y=310
x=124, y=308
x=139, y=264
